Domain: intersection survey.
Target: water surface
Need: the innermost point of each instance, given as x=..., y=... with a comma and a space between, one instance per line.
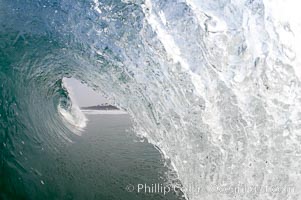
x=105, y=162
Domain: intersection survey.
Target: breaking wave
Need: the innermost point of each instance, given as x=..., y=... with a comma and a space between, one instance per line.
x=72, y=114
x=215, y=85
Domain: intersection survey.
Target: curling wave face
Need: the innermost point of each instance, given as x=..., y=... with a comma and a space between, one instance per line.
x=214, y=84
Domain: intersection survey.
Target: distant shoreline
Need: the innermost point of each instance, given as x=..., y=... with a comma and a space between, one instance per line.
x=100, y=107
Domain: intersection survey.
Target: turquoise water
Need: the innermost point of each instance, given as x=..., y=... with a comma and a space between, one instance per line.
x=102, y=164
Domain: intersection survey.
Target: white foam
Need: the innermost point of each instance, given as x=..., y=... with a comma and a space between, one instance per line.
x=96, y=6
x=73, y=116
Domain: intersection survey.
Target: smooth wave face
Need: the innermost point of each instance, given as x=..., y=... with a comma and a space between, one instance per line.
x=214, y=84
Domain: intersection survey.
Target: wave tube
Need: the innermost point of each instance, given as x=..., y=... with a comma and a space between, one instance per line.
x=215, y=85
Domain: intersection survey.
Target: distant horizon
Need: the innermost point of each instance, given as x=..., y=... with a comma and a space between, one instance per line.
x=105, y=106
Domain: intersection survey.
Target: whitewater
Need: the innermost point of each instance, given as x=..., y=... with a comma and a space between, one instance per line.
x=215, y=85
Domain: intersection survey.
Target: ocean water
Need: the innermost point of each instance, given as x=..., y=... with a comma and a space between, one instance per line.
x=215, y=85
x=107, y=162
